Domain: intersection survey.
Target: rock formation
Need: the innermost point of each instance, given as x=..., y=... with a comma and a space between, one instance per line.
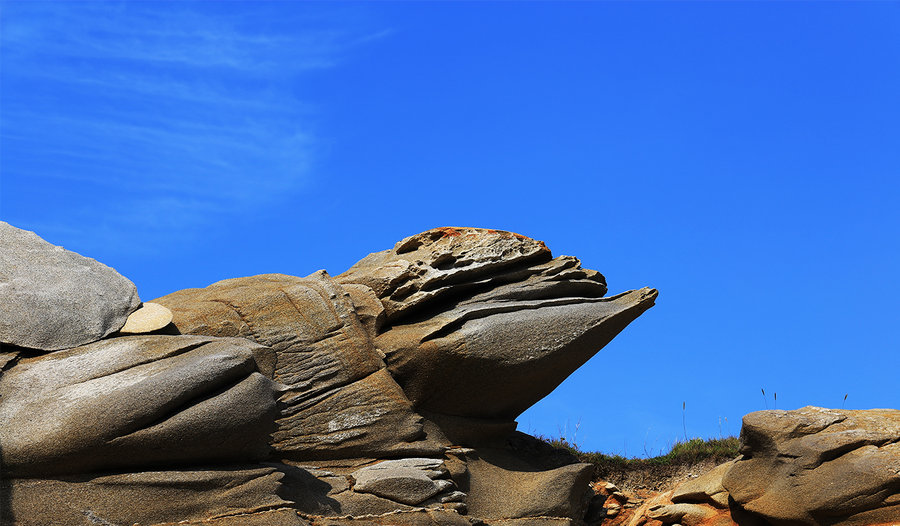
x=811, y=466
x=54, y=299
x=385, y=395
x=819, y=466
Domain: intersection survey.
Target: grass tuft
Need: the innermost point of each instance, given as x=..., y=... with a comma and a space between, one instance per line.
x=655, y=470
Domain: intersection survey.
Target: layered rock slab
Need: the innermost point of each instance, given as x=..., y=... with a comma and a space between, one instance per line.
x=289, y=371
x=409, y=481
x=819, y=466
x=52, y=298
x=338, y=399
x=158, y=496
x=136, y=401
x=465, y=307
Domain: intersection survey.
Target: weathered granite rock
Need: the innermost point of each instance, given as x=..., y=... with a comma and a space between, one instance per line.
x=682, y=513
x=442, y=263
x=278, y=517
x=706, y=488
x=146, y=497
x=503, y=485
x=819, y=466
x=338, y=400
x=51, y=298
x=410, y=481
x=400, y=518
x=465, y=307
x=137, y=402
x=379, y=375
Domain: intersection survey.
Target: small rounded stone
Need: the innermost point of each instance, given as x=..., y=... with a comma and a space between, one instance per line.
x=150, y=317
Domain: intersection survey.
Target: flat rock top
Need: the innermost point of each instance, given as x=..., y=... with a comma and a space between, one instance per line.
x=52, y=298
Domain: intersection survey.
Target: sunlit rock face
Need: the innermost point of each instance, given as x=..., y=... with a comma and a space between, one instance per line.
x=819, y=466
x=811, y=466
x=389, y=390
x=52, y=298
x=482, y=324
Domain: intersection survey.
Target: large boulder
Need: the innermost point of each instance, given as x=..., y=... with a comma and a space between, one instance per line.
x=482, y=323
x=145, y=497
x=53, y=299
x=338, y=399
x=819, y=466
x=137, y=402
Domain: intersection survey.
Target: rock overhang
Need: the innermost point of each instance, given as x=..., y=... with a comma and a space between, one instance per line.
x=310, y=373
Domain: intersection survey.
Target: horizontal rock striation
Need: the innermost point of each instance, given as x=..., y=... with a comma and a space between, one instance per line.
x=386, y=395
x=466, y=307
x=336, y=400
x=136, y=401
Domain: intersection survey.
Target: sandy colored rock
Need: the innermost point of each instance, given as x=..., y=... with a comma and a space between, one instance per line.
x=368, y=417
x=503, y=486
x=402, y=518
x=706, y=488
x=410, y=481
x=282, y=517
x=452, y=363
x=816, y=466
x=289, y=401
x=535, y=521
x=53, y=298
x=162, y=497
x=338, y=400
x=136, y=401
x=148, y=318
x=498, y=306
x=683, y=513
x=429, y=266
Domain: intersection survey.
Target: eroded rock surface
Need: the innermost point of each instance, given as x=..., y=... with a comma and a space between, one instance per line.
x=819, y=466
x=338, y=400
x=410, y=481
x=137, y=402
x=465, y=307
x=52, y=298
x=384, y=396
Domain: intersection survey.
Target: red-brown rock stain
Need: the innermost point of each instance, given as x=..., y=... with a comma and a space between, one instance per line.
x=448, y=231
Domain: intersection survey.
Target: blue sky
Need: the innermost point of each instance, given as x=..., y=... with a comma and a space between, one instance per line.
x=741, y=157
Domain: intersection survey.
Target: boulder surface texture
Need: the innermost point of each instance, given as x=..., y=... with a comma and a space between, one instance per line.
x=51, y=298
x=384, y=395
x=819, y=466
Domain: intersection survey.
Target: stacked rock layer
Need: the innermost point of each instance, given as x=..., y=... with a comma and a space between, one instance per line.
x=385, y=395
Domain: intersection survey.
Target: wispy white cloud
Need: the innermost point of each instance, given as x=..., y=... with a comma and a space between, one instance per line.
x=185, y=109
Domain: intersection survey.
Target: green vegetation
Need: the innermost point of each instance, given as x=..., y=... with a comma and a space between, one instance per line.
x=654, y=471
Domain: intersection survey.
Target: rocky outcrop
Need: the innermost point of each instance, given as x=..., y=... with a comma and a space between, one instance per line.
x=465, y=307
x=54, y=299
x=137, y=402
x=810, y=466
x=386, y=395
x=337, y=399
x=370, y=398
x=234, y=493
x=819, y=466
